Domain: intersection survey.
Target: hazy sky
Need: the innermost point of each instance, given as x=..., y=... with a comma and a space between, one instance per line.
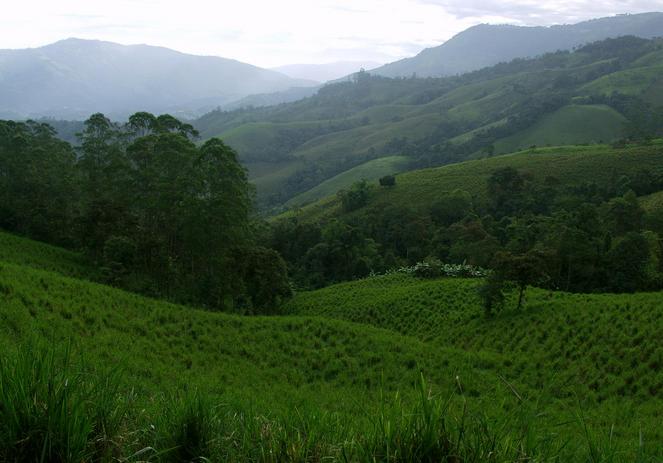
x=270, y=33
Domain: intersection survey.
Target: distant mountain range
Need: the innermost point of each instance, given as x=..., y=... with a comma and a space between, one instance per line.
x=74, y=78
x=486, y=45
x=325, y=72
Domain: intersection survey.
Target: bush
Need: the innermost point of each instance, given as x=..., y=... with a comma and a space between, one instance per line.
x=388, y=180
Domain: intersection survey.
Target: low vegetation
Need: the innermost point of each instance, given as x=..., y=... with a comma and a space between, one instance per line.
x=147, y=380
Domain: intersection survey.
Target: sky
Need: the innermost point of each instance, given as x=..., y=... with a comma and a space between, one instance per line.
x=270, y=33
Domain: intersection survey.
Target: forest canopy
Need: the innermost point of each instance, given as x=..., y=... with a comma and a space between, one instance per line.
x=157, y=213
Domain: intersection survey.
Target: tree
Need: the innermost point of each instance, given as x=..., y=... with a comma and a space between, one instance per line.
x=491, y=293
x=264, y=277
x=505, y=188
x=388, y=181
x=523, y=269
x=356, y=197
x=451, y=207
x=627, y=263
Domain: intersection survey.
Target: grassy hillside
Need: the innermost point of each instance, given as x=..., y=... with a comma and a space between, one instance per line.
x=569, y=165
x=321, y=387
x=569, y=125
x=604, y=347
x=28, y=253
x=556, y=99
x=371, y=171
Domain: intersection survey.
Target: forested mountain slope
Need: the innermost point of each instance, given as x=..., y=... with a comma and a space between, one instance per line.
x=599, y=93
x=487, y=45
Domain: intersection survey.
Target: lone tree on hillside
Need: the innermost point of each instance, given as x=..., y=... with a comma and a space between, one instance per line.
x=522, y=269
x=388, y=180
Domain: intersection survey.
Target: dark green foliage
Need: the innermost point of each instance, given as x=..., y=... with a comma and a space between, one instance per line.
x=569, y=224
x=264, y=276
x=523, y=269
x=38, y=189
x=627, y=262
x=451, y=208
x=356, y=197
x=157, y=213
x=491, y=293
x=388, y=181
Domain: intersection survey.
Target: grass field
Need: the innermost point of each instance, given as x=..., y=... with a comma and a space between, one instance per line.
x=569, y=164
x=321, y=383
x=568, y=126
x=371, y=171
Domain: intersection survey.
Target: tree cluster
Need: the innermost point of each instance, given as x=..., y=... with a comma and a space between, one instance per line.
x=582, y=238
x=158, y=214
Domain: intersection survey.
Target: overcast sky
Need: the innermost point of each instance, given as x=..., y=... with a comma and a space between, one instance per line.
x=275, y=32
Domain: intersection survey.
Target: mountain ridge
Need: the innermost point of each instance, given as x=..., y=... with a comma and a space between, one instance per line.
x=74, y=78
x=491, y=44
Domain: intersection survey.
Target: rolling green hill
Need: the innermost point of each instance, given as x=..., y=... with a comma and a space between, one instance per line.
x=568, y=164
x=586, y=96
x=370, y=171
x=569, y=125
x=576, y=346
x=339, y=355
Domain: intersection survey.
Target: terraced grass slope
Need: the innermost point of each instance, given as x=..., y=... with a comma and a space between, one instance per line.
x=282, y=361
x=570, y=165
x=569, y=125
x=316, y=362
x=603, y=348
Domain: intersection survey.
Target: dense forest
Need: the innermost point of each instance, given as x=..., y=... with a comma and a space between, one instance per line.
x=157, y=213
x=583, y=238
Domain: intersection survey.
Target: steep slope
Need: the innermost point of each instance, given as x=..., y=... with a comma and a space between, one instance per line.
x=74, y=78
x=570, y=165
x=560, y=98
x=486, y=45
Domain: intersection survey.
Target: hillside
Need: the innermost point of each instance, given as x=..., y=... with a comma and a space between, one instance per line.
x=602, y=346
x=74, y=78
x=561, y=98
x=567, y=164
x=323, y=366
x=486, y=45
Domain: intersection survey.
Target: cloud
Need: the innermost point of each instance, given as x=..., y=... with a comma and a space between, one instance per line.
x=544, y=12
x=270, y=33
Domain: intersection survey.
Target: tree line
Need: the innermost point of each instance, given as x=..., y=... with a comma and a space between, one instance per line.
x=582, y=238
x=157, y=213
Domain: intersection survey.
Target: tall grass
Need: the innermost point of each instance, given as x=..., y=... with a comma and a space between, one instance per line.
x=53, y=412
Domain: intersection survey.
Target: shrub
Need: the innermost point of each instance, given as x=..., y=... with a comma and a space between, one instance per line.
x=388, y=180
